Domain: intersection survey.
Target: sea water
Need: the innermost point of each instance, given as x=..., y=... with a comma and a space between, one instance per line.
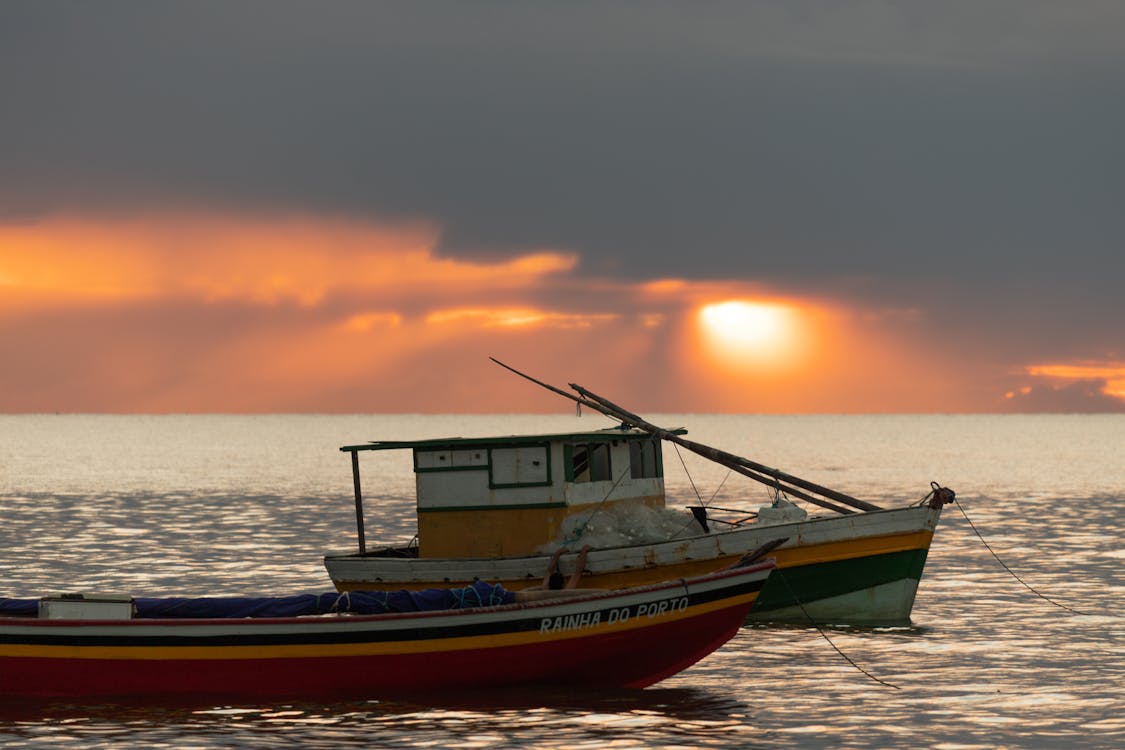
x=224, y=505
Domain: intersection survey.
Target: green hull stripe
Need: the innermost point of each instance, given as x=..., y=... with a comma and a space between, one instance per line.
x=823, y=580
x=478, y=508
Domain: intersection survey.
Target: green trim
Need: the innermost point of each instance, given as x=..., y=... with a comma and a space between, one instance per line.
x=453, y=443
x=478, y=508
x=493, y=485
x=417, y=469
x=441, y=469
x=824, y=580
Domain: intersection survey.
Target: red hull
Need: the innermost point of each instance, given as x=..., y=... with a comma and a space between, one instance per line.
x=618, y=659
x=630, y=638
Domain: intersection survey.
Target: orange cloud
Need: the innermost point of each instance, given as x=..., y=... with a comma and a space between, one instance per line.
x=207, y=313
x=1113, y=373
x=664, y=287
x=302, y=260
x=513, y=317
x=367, y=321
x=214, y=313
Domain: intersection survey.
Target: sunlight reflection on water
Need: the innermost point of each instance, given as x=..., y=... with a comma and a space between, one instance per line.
x=246, y=505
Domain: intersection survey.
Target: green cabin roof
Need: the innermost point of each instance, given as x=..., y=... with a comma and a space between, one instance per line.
x=606, y=435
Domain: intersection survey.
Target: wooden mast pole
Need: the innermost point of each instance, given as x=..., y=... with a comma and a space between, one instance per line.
x=725, y=458
x=738, y=464
x=358, y=503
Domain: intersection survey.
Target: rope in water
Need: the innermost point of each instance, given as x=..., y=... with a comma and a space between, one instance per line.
x=1010, y=571
x=777, y=572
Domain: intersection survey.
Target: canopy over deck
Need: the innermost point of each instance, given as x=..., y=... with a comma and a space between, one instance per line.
x=610, y=433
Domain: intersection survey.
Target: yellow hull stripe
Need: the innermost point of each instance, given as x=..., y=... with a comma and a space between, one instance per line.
x=787, y=557
x=847, y=550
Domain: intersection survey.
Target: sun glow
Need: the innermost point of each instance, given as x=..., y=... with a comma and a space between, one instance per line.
x=754, y=335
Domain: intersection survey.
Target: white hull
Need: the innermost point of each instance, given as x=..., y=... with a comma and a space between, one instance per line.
x=883, y=604
x=355, y=571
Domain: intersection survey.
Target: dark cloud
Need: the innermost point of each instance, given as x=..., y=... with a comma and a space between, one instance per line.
x=1081, y=397
x=867, y=149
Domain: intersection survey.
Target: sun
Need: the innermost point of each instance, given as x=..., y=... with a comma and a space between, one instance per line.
x=750, y=334
x=745, y=324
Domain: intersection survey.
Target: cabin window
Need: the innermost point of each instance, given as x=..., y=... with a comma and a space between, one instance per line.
x=522, y=466
x=589, y=462
x=644, y=459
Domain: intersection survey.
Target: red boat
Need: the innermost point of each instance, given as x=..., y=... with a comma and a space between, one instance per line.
x=627, y=638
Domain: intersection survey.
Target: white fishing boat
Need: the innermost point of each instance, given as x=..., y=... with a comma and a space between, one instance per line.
x=495, y=508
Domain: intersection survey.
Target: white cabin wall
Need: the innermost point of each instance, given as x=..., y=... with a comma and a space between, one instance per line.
x=469, y=487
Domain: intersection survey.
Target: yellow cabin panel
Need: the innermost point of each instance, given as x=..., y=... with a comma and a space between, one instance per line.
x=497, y=532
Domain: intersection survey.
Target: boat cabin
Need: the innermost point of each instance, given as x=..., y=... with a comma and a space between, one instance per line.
x=507, y=496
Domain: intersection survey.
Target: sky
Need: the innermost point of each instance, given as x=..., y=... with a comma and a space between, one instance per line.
x=731, y=207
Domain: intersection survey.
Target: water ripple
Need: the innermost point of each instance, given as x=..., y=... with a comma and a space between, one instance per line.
x=203, y=506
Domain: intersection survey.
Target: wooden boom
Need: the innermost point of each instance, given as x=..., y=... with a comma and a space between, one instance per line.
x=744, y=466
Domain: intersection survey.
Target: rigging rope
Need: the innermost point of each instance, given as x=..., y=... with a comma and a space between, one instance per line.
x=716, y=492
x=581, y=528
x=703, y=504
x=688, y=472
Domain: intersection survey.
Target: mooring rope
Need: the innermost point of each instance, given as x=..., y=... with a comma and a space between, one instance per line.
x=1010, y=571
x=777, y=572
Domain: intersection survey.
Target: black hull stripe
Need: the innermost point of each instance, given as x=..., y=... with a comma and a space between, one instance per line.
x=375, y=634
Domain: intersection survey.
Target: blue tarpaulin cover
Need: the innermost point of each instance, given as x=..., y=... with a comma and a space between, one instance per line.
x=477, y=594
